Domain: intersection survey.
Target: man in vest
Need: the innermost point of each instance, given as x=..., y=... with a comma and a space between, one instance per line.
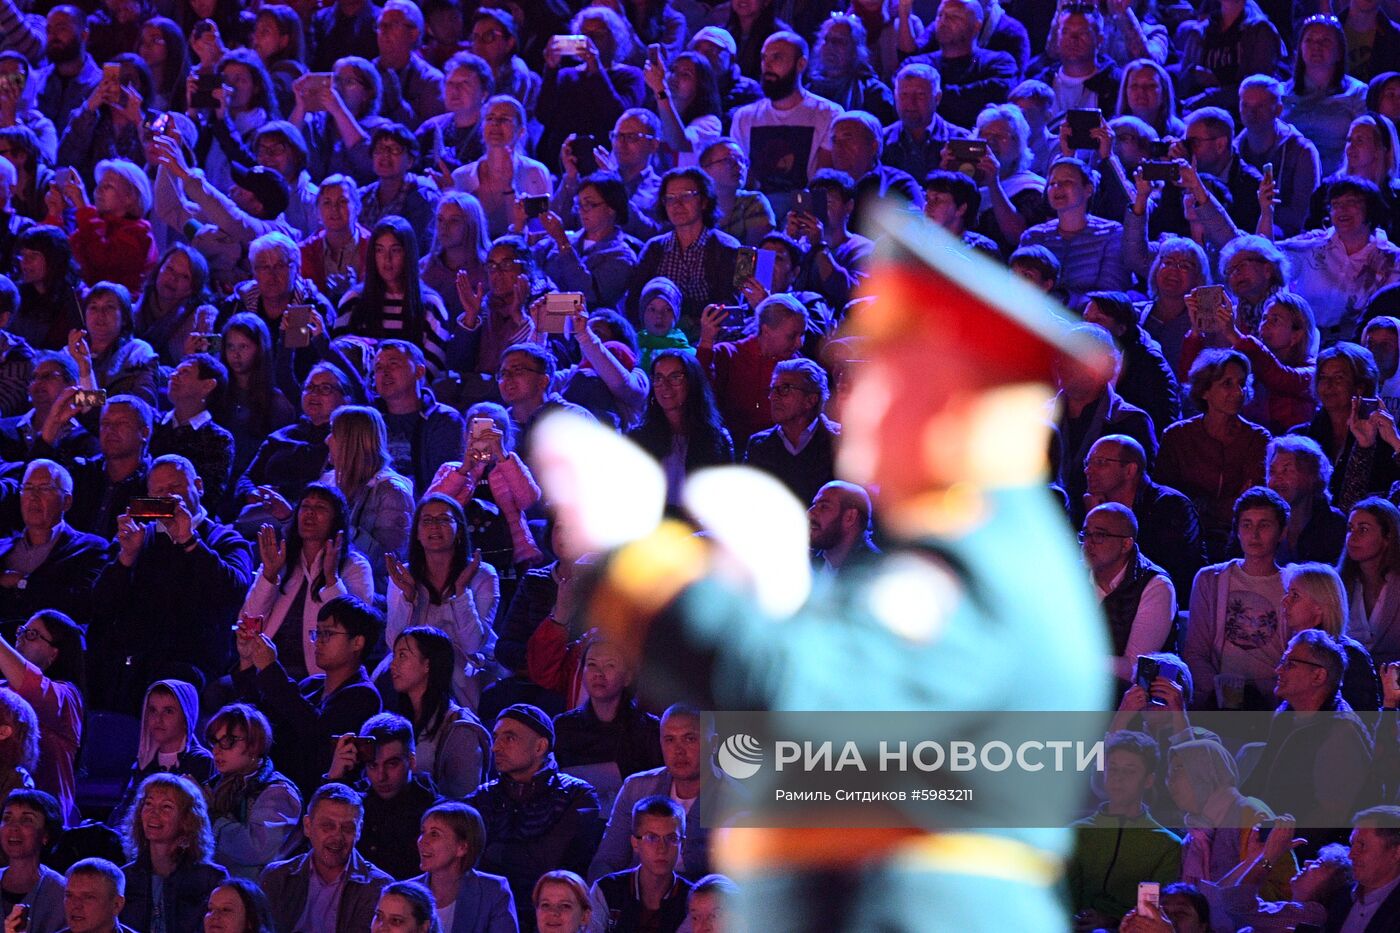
x=1137, y=595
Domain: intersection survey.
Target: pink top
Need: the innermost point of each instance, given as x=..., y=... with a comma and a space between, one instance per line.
x=59, y=707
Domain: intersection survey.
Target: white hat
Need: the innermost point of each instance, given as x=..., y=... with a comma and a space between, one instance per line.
x=718, y=36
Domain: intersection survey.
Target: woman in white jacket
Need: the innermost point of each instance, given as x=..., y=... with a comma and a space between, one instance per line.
x=301, y=573
x=445, y=585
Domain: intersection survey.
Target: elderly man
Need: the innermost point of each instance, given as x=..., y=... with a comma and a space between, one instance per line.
x=167, y=602
x=1137, y=595
x=914, y=142
x=800, y=448
x=742, y=372
x=568, y=828
x=1375, y=862
x=973, y=77
x=840, y=522
x=418, y=85
x=48, y=564
x=332, y=888
x=689, y=777
x=1297, y=469
x=1090, y=408
x=857, y=144
x=1313, y=766
x=94, y=893
x=787, y=133
x=651, y=889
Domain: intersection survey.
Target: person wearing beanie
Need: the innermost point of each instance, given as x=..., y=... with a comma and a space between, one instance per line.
x=219, y=225
x=660, y=307
x=537, y=818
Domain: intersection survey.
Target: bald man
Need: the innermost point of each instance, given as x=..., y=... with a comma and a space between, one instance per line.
x=1136, y=594
x=839, y=518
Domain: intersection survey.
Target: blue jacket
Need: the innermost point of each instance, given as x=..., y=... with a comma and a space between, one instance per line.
x=45, y=901
x=483, y=904
x=184, y=894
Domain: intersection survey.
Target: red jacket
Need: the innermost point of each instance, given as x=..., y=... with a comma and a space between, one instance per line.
x=313, y=262
x=114, y=249
x=741, y=375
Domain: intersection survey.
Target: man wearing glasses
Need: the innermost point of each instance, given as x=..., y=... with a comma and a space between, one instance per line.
x=1137, y=596
x=1313, y=766
x=800, y=448
x=524, y=379
x=309, y=717
x=48, y=564
x=635, y=138
x=1210, y=146
x=650, y=896
x=62, y=436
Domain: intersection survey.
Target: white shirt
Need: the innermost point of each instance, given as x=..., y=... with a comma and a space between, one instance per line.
x=803, y=439
x=1152, y=623
x=1363, y=909
x=197, y=422
x=816, y=112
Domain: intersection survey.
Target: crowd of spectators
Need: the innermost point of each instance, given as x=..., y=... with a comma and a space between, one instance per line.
x=291, y=639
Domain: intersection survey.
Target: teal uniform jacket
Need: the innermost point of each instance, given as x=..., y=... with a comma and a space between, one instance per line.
x=995, y=622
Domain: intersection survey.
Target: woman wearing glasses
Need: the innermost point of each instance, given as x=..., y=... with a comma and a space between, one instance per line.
x=597, y=259
x=393, y=151
x=682, y=427
x=47, y=670
x=504, y=173
x=253, y=808
x=446, y=585
x=695, y=255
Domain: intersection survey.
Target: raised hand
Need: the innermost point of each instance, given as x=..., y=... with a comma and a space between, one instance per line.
x=399, y=574
x=330, y=558
x=471, y=297
x=272, y=551
x=464, y=579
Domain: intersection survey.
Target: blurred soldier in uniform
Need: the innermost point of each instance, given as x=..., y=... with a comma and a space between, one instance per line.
x=978, y=607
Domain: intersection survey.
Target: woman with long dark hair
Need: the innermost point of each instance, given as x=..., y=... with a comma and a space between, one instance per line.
x=688, y=101
x=238, y=906
x=305, y=570
x=163, y=48
x=445, y=584
x=279, y=39
x=682, y=427
x=165, y=318
x=689, y=201
x=253, y=808
x=48, y=289
x=48, y=670
x=250, y=100
x=253, y=407
x=393, y=302
x=452, y=744
x=1369, y=567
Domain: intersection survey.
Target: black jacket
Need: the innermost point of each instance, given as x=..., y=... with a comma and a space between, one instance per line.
x=64, y=581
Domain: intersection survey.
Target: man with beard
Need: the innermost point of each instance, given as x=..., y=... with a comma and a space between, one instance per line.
x=787, y=133
x=840, y=521
x=72, y=74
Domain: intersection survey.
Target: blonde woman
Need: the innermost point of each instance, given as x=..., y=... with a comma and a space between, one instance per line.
x=380, y=500
x=167, y=836
x=1316, y=598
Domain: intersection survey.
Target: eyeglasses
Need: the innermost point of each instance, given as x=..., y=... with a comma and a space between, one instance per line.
x=673, y=380
x=36, y=489
x=684, y=197
x=25, y=633
x=490, y=35
x=47, y=377
x=392, y=149
x=723, y=160
x=1235, y=264
x=229, y=741
x=670, y=840
x=1100, y=461
x=322, y=388
x=1098, y=536
x=325, y=634
x=588, y=205
x=507, y=265
x=630, y=137
x=266, y=268
x=1180, y=265
x=510, y=372
x=784, y=389
x=437, y=521
x=1289, y=662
